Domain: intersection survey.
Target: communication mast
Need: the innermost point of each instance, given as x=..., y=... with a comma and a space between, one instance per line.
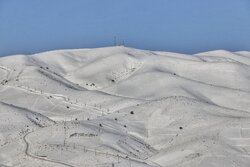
x=115, y=43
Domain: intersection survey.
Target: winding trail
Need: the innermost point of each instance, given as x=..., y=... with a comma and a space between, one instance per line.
x=41, y=158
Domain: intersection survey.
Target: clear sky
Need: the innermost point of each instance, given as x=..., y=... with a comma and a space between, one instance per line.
x=186, y=26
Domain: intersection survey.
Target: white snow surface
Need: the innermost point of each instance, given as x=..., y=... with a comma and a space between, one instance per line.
x=125, y=107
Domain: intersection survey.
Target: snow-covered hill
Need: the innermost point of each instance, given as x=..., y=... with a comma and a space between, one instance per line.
x=124, y=107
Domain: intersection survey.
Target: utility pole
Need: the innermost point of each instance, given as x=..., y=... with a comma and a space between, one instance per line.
x=64, y=126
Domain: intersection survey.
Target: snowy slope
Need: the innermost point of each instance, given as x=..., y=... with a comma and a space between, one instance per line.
x=119, y=106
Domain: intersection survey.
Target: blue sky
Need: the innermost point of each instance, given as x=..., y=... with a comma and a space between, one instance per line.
x=186, y=26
